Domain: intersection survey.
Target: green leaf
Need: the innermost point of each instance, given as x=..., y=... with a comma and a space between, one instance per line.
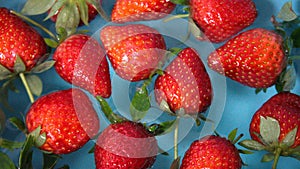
x=269, y=130
x=268, y=157
x=252, y=145
x=84, y=11
x=25, y=158
x=43, y=66
x=68, y=18
x=35, y=84
x=162, y=128
x=286, y=13
x=11, y=145
x=6, y=162
x=4, y=73
x=18, y=123
x=180, y=2
x=290, y=138
x=51, y=43
x=36, y=7
x=50, y=160
x=175, y=164
x=245, y=151
x=232, y=135
x=295, y=36
x=140, y=104
x=19, y=65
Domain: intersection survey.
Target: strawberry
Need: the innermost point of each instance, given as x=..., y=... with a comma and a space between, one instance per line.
x=137, y=10
x=185, y=84
x=134, y=50
x=17, y=38
x=125, y=145
x=254, y=58
x=67, y=117
x=212, y=152
x=221, y=19
x=80, y=60
x=274, y=127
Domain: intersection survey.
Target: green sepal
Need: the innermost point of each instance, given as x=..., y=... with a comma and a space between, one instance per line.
x=268, y=157
x=258, y=90
x=10, y=145
x=162, y=128
x=295, y=36
x=232, y=135
x=92, y=150
x=35, y=84
x=140, y=104
x=286, y=13
x=252, y=145
x=51, y=43
x=245, y=151
x=287, y=79
x=36, y=7
x=38, y=137
x=194, y=29
x=68, y=18
x=55, y=8
x=269, y=130
x=180, y=2
x=6, y=162
x=18, y=123
x=43, y=67
x=65, y=167
x=50, y=160
x=25, y=158
x=164, y=106
x=163, y=152
x=290, y=138
x=4, y=73
x=84, y=11
x=96, y=4
x=175, y=164
x=19, y=65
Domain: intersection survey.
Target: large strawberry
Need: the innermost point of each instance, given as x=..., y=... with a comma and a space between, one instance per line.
x=185, y=84
x=136, y=10
x=213, y=152
x=17, y=38
x=67, y=118
x=134, y=50
x=80, y=60
x=221, y=19
x=275, y=127
x=125, y=145
x=255, y=58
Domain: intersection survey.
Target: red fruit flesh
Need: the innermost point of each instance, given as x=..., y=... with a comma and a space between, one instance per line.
x=17, y=38
x=285, y=108
x=125, y=145
x=185, y=84
x=254, y=58
x=68, y=119
x=134, y=50
x=211, y=152
x=136, y=10
x=221, y=19
x=80, y=60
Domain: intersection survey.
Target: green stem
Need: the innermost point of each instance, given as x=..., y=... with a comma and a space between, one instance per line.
x=297, y=57
x=24, y=81
x=34, y=23
x=277, y=155
x=176, y=138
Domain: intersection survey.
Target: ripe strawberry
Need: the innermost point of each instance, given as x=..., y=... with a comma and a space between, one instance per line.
x=17, y=38
x=125, y=145
x=185, y=84
x=134, y=50
x=254, y=58
x=221, y=19
x=68, y=119
x=212, y=152
x=137, y=10
x=80, y=60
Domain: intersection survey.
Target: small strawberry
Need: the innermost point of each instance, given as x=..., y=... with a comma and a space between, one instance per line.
x=213, y=152
x=185, y=84
x=134, y=50
x=137, y=10
x=221, y=19
x=67, y=118
x=125, y=145
x=254, y=58
x=80, y=60
x=274, y=127
x=17, y=38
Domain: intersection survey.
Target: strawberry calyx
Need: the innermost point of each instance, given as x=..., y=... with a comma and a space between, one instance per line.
x=269, y=141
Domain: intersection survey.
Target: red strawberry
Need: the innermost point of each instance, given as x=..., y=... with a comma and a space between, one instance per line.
x=125, y=145
x=137, y=10
x=68, y=119
x=211, y=152
x=254, y=58
x=134, y=50
x=17, y=38
x=185, y=84
x=80, y=60
x=221, y=19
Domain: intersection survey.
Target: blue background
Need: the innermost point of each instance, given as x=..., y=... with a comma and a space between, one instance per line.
x=235, y=103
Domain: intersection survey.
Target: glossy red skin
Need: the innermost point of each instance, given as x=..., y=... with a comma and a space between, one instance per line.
x=68, y=119
x=80, y=60
x=137, y=10
x=221, y=19
x=254, y=58
x=134, y=50
x=185, y=84
x=19, y=38
x=211, y=152
x=285, y=108
x=125, y=145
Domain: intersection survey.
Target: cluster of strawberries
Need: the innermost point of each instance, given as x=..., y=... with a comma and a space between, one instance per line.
x=63, y=121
